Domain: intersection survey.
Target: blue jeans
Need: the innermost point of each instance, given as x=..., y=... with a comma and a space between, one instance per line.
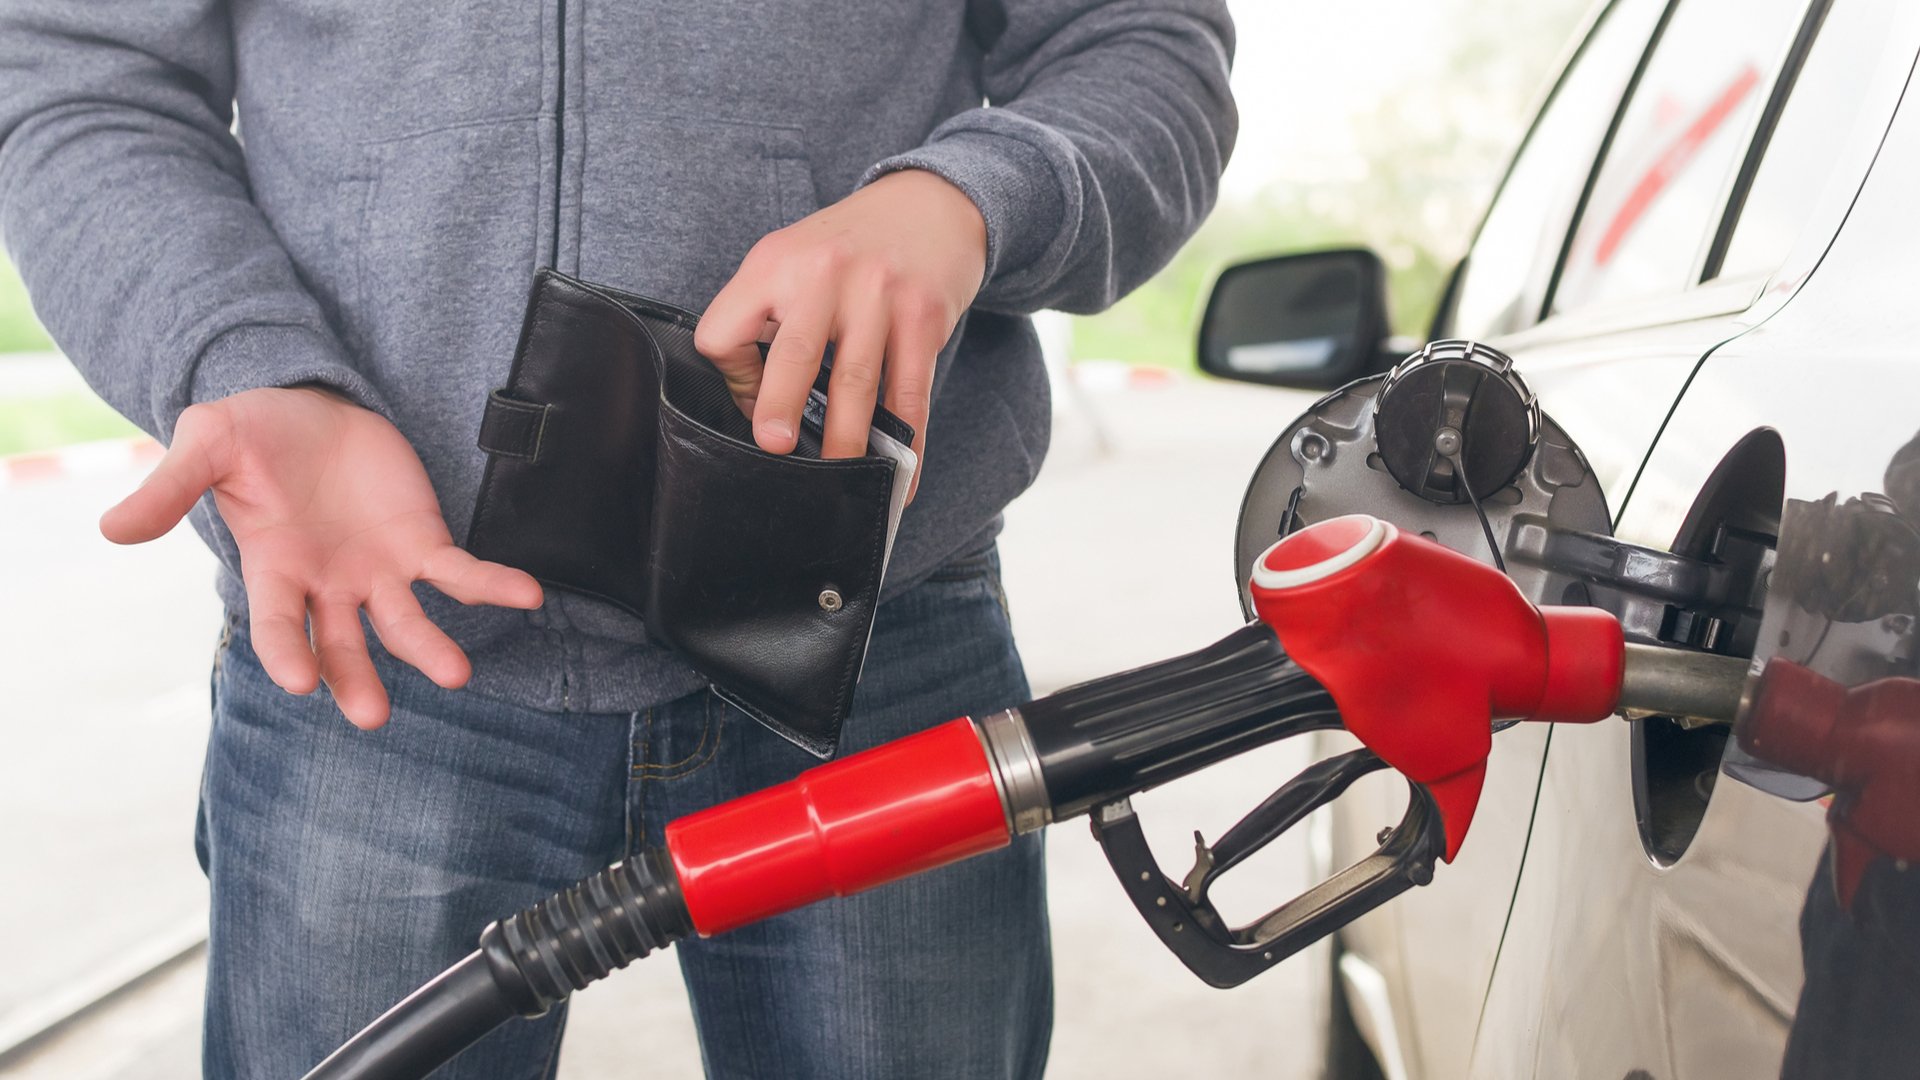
x=349, y=867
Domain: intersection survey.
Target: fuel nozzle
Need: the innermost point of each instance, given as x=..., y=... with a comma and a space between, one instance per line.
x=1424, y=648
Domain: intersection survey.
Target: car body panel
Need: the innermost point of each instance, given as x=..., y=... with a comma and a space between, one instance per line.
x=1694, y=969
x=1612, y=963
x=1609, y=962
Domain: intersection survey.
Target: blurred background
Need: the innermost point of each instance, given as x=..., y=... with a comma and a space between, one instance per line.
x=1384, y=123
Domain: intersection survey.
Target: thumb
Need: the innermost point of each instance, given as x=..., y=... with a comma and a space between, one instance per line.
x=173, y=487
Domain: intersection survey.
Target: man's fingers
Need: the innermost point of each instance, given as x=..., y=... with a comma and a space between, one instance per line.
x=854, y=388
x=187, y=471
x=475, y=581
x=741, y=367
x=277, y=624
x=729, y=337
x=408, y=634
x=912, y=351
x=345, y=665
x=792, y=362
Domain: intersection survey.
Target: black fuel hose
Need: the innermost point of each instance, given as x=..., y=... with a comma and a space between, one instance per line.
x=803, y=841
x=524, y=965
x=426, y=1030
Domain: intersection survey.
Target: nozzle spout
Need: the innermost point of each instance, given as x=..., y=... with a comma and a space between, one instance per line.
x=1661, y=680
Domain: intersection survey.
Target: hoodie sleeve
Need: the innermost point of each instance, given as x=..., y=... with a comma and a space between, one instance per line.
x=1100, y=148
x=124, y=202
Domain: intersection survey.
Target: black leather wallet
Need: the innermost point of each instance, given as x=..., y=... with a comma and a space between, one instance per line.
x=619, y=466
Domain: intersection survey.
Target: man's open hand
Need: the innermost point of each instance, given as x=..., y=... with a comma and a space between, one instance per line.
x=333, y=513
x=884, y=274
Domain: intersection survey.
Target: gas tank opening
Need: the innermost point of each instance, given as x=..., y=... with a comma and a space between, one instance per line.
x=1734, y=524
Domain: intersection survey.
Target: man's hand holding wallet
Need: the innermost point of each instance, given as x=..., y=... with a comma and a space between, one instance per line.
x=883, y=276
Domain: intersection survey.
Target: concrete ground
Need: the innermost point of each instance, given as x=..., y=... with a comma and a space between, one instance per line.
x=1119, y=556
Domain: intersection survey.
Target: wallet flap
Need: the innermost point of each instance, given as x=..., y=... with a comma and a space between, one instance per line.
x=767, y=571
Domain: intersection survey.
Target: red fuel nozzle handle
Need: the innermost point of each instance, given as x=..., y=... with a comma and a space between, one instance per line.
x=1424, y=648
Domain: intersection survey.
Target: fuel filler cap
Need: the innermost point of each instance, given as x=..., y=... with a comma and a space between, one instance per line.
x=1455, y=410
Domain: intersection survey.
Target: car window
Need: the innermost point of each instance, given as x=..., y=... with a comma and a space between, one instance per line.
x=1503, y=282
x=1805, y=142
x=1657, y=199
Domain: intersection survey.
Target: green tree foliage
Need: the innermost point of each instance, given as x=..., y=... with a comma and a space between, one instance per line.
x=1431, y=151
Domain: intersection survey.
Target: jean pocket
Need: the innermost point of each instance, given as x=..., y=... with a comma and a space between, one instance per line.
x=981, y=565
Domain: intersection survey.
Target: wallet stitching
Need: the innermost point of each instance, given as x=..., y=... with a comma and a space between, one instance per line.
x=525, y=411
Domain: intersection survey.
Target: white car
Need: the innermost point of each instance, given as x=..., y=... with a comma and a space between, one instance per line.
x=1702, y=262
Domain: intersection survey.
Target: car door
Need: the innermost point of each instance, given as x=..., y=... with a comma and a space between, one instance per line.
x=1653, y=932
x=1416, y=970
x=1607, y=341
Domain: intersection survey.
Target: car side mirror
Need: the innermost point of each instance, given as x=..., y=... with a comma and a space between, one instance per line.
x=1314, y=320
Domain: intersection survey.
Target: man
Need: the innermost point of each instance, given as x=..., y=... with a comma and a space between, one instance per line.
x=310, y=304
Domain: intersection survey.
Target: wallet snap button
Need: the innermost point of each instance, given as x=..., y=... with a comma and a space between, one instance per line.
x=830, y=601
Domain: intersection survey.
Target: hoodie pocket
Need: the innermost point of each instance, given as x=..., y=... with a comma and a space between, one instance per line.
x=670, y=205
x=448, y=240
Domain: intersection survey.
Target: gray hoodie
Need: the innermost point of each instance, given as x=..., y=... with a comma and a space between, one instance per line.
x=397, y=171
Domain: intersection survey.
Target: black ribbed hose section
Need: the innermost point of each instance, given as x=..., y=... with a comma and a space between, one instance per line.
x=525, y=965
x=1112, y=737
